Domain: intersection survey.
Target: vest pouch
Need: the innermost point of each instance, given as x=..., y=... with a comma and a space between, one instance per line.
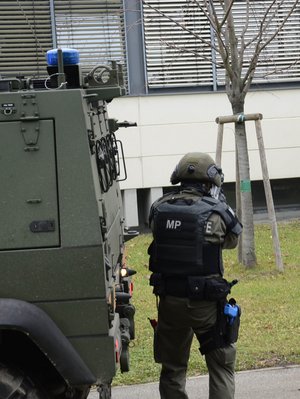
x=158, y=284
x=196, y=287
x=179, y=259
x=216, y=289
x=179, y=253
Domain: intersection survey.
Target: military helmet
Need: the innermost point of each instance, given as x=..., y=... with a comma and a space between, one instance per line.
x=197, y=166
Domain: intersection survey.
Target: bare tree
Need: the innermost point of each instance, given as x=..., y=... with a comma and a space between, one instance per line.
x=238, y=48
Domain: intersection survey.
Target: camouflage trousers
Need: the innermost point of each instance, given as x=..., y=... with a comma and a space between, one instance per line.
x=178, y=320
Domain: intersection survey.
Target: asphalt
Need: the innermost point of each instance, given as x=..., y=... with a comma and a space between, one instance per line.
x=270, y=383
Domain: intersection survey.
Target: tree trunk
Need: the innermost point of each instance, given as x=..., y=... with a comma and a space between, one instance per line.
x=248, y=244
x=238, y=202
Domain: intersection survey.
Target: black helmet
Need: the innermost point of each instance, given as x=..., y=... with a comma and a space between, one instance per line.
x=197, y=167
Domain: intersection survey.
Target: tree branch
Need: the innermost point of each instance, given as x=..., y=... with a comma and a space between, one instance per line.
x=183, y=27
x=275, y=33
x=243, y=45
x=259, y=47
x=227, y=44
x=228, y=8
x=263, y=26
x=233, y=42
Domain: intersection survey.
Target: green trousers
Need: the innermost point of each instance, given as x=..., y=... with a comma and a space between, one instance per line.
x=178, y=320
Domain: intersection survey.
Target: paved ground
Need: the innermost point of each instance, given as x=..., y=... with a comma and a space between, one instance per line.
x=282, y=214
x=272, y=383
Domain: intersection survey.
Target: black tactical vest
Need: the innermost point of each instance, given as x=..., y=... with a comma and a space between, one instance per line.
x=179, y=246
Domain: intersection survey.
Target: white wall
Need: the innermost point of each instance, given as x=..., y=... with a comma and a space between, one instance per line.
x=171, y=125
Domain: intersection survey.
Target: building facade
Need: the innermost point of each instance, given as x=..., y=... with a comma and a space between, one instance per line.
x=175, y=82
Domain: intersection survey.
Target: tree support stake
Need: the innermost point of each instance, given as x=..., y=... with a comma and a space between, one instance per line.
x=240, y=118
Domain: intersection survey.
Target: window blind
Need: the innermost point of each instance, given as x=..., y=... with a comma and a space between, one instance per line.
x=179, y=44
x=94, y=27
x=278, y=62
x=25, y=36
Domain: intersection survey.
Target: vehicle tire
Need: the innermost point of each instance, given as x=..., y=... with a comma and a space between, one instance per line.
x=104, y=391
x=15, y=384
x=82, y=394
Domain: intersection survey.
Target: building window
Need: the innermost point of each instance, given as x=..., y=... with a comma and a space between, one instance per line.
x=179, y=43
x=25, y=36
x=94, y=28
x=29, y=28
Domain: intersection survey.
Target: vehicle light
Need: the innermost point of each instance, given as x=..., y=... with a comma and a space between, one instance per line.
x=117, y=349
x=125, y=272
x=131, y=288
x=70, y=56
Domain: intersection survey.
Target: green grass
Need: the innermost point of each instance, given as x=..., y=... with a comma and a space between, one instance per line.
x=270, y=301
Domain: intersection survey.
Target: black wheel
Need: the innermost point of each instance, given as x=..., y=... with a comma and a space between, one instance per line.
x=81, y=394
x=14, y=384
x=104, y=391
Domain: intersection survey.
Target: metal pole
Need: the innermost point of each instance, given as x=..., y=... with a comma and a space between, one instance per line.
x=60, y=66
x=53, y=24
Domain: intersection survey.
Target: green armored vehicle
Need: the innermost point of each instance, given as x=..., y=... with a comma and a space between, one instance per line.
x=66, y=319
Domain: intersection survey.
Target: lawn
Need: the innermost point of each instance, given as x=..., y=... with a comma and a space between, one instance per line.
x=270, y=302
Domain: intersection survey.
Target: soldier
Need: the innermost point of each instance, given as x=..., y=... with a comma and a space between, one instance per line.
x=190, y=229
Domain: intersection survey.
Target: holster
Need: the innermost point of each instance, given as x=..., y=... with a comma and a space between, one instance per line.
x=232, y=328
x=222, y=334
